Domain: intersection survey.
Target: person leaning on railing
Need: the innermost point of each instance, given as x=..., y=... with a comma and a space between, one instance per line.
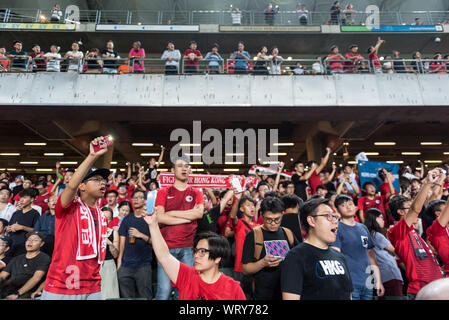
x=4, y=61
x=53, y=59
x=110, y=56
x=39, y=61
x=136, y=53
x=417, y=64
x=216, y=61
x=19, y=58
x=171, y=57
x=93, y=64
x=74, y=58
x=333, y=61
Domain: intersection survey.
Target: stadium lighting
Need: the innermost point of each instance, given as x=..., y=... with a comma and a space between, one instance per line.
x=431, y=143
x=35, y=144
x=139, y=144
x=384, y=143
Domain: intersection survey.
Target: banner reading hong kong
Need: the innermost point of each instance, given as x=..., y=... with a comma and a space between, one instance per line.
x=369, y=172
x=209, y=180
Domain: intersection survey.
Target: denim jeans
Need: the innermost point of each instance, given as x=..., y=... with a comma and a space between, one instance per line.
x=164, y=287
x=362, y=293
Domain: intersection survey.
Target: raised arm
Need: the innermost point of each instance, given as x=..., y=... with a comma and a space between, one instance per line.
x=235, y=207
x=211, y=195
x=418, y=202
x=278, y=176
x=160, y=156
x=71, y=188
x=324, y=161
x=169, y=263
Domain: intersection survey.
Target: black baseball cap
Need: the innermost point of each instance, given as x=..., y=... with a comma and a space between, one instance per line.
x=6, y=240
x=97, y=172
x=39, y=234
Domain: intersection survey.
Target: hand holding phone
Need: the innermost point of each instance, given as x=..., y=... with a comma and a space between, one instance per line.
x=103, y=144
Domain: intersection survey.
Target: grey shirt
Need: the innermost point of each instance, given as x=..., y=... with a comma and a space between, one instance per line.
x=389, y=269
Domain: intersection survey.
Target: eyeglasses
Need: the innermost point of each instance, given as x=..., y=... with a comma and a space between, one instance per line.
x=201, y=251
x=138, y=198
x=330, y=217
x=98, y=180
x=271, y=220
x=33, y=240
x=405, y=208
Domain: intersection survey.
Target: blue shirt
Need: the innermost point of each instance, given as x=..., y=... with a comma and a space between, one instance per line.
x=240, y=64
x=215, y=59
x=354, y=242
x=46, y=224
x=138, y=254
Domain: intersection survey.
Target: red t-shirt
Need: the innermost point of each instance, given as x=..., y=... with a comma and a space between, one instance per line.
x=333, y=63
x=374, y=59
x=42, y=201
x=364, y=204
x=419, y=271
x=439, y=239
x=194, y=62
x=241, y=230
x=172, y=199
x=65, y=270
x=349, y=65
x=314, y=181
x=192, y=287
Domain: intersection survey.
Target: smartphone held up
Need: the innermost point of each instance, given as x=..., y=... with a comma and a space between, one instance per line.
x=106, y=142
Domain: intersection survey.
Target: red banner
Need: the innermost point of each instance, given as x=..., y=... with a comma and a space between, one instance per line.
x=208, y=180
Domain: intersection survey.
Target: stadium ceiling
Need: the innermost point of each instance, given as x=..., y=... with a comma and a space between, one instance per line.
x=348, y=138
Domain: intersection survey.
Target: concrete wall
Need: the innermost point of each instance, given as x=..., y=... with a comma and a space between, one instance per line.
x=71, y=89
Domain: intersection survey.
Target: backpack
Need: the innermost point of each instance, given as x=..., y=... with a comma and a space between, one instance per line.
x=258, y=240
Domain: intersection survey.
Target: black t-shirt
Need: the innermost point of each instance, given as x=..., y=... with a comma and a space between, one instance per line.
x=316, y=274
x=300, y=187
x=110, y=63
x=109, y=255
x=27, y=219
x=22, y=269
x=399, y=65
x=152, y=174
x=267, y=280
x=204, y=224
x=291, y=221
x=140, y=253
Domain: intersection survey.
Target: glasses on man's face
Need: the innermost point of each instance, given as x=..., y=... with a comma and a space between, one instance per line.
x=271, y=220
x=329, y=216
x=98, y=180
x=33, y=240
x=201, y=251
x=138, y=198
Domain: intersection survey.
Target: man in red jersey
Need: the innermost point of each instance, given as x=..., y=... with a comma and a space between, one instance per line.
x=420, y=264
x=203, y=281
x=178, y=208
x=80, y=235
x=438, y=235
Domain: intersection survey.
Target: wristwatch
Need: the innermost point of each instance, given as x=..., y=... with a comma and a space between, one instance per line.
x=17, y=293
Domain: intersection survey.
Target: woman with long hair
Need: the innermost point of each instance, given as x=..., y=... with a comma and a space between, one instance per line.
x=389, y=270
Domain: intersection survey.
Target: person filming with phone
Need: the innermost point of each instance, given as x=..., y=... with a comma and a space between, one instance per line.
x=74, y=273
x=263, y=265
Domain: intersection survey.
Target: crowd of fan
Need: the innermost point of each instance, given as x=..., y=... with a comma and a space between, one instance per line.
x=372, y=230
x=265, y=62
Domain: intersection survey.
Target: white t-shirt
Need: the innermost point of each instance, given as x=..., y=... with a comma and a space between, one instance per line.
x=317, y=67
x=54, y=63
x=74, y=64
x=236, y=17
x=7, y=212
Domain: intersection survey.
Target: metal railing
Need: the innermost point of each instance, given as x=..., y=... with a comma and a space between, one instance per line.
x=225, y=66
x=223, y=17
